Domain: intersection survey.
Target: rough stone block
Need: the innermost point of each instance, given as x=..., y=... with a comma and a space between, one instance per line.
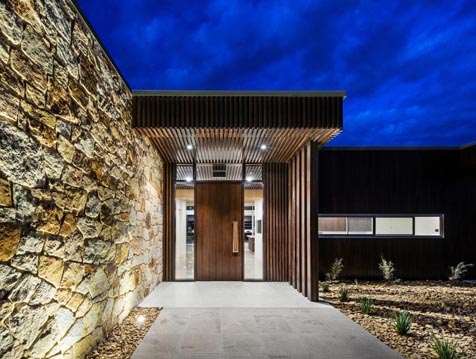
x=9, y=239
x=11, y=24
x=51, y=269
x=21, y=157
x=37, y=48
x=5, y=193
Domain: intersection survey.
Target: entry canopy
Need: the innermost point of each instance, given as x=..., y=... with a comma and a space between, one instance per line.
x=236, y=126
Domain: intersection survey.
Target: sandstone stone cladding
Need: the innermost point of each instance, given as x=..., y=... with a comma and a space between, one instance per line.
x=80, y=192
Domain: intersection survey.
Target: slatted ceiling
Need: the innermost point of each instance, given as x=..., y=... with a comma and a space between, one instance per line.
x=253, y=185
x=254, y=171
x=232, y=145
x=184, y=172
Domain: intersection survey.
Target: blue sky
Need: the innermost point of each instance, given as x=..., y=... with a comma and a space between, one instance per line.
x=409, y=67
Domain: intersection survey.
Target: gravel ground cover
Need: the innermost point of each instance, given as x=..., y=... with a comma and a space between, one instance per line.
x=124, y=338
x=440, y=309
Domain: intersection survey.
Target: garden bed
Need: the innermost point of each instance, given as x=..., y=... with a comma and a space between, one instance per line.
x=439, y=309
x=125, y=338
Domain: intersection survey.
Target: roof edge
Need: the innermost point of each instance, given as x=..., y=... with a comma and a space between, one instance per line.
x=393, y=148
x=281, y=93
x=98, y=39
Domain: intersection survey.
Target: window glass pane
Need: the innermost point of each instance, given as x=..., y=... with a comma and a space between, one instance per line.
x=394, y=225
x=184, y=231
x=333, y=225
x=360, y=225
x=427, y=226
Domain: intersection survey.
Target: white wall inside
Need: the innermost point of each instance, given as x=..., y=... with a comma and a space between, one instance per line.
x=181, y=233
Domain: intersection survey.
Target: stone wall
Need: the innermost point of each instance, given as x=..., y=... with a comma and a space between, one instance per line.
x=80, y=193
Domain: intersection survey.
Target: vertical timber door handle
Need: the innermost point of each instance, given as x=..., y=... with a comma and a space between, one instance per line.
x=235, y=246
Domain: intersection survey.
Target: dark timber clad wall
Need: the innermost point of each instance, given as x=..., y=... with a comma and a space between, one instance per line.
x=275, y=209
x=400, y=182
x=302, y=234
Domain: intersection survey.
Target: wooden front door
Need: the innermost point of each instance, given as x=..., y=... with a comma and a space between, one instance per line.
x=219, y=230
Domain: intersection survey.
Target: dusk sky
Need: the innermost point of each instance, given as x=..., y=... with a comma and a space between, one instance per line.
x=409, y=67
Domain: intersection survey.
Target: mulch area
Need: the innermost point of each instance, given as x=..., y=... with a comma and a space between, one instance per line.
x=440, y=309
x=125, y=338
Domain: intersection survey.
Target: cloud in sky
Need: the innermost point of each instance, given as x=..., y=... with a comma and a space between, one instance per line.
x=409, y=67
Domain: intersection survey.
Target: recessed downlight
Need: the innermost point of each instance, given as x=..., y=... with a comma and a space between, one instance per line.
x=189, y=147
x=249, y=179
x=263, y=147
x=188, y=179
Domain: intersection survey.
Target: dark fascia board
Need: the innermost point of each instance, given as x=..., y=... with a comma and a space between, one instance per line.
x=394, y=148
x=468, y=145
x=91, y=28
x=192, y=93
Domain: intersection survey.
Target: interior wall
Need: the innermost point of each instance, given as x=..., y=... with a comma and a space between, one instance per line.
x=181, y=228
x=258, y=236
x=80, y=192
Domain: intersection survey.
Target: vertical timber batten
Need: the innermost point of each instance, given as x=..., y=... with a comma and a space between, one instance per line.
x=169, y=222
x=303, y=248
x=275, y=222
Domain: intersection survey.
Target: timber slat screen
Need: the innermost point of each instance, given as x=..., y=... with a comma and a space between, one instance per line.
x=246, y=111
x=169, y=222
x=303, y=241
x=275, y=210
x=229, y=127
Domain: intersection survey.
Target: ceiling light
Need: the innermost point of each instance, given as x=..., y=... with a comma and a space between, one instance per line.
x=249, y=179
x=263, y=147
x=189, y=147
x=188, y=179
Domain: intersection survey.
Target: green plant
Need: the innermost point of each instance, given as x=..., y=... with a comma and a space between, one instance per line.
x=403, y=322
x=336, y=269
x=387, y=268
x=325, y=287
x=366, y=305
x=444, y=348
x=458, y=272
x=343, y=294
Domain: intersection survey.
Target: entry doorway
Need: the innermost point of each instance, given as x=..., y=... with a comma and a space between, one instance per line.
x=219, y=231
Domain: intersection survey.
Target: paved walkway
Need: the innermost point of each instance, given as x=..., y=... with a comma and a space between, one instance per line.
x=310, y=330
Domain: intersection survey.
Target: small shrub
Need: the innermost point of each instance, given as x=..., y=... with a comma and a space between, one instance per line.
x=444, y=348
x=366, y=305
x=335, y=270
x=343, y=294
x=402, y=322
x=325, y=287
x=458, y=272
x=388, y=269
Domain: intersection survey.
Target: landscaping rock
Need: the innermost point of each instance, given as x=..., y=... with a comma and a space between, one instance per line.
x=440, y=309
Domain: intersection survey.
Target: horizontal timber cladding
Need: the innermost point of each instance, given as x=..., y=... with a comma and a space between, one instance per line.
x=245, y=110
x=302, y=212
x=169, y=222
x=399, y=181
x=275, y=214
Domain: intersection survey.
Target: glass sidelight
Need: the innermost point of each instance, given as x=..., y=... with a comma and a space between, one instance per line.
x=253, y=223
x=184, y=223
